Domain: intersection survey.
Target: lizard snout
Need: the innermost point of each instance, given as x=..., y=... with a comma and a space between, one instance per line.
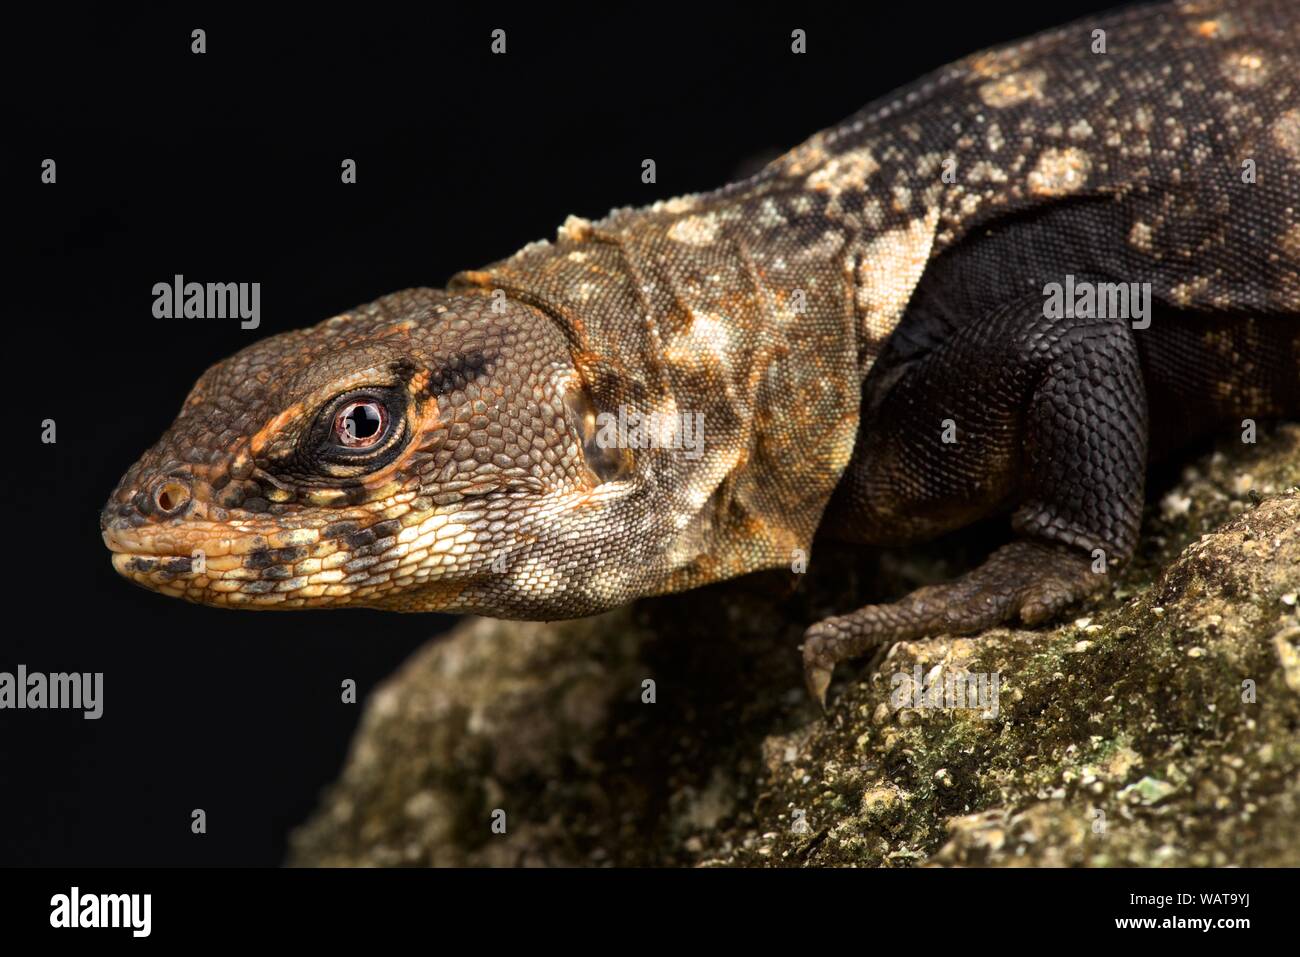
x=170, y=495
x=166, y=497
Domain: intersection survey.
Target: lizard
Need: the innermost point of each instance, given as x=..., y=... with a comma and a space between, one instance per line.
x=862, y=331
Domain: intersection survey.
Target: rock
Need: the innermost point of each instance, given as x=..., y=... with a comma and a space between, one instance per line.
x=1157, y=727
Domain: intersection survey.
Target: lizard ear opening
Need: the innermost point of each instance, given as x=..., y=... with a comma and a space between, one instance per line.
x=605, y=459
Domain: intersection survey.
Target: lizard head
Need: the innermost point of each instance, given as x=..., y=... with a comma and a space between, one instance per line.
x=428, y=451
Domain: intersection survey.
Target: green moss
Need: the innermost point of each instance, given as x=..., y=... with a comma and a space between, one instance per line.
x=1121, y=736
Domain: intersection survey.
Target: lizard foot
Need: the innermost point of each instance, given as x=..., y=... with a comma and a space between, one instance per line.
x=1026, y=579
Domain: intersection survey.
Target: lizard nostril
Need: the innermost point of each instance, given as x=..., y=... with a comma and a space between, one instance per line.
x=171, y=496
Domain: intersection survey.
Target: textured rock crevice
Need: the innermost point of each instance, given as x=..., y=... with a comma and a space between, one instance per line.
x=1161, y=725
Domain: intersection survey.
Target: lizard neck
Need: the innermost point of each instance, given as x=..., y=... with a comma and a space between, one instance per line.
x=735, y=309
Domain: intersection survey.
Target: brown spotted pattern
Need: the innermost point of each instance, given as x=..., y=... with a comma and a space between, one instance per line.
x=760, y=307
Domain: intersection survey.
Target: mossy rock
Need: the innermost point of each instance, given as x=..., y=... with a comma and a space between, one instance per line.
x=1159, y=726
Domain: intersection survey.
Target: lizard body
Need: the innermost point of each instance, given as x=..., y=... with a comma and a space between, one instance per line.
x=828, y=321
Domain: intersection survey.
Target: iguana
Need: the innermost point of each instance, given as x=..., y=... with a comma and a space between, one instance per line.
x=1003, y=289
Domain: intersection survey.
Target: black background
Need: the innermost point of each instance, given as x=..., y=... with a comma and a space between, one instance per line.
x=226, y=167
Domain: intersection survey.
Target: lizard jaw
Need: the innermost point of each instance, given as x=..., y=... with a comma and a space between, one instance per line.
x=210, y=564
x=325, y=564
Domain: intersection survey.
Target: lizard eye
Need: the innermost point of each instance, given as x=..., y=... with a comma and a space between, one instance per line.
x=361, y=424
x=358, y=431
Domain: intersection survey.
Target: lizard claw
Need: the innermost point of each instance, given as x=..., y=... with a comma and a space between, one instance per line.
x=819, y=659
x=818, y=679
x=1033, y=580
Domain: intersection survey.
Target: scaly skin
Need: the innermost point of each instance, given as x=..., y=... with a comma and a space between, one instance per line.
x=823, y=317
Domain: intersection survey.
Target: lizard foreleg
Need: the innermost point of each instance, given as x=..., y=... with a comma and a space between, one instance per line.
x=1058, y=435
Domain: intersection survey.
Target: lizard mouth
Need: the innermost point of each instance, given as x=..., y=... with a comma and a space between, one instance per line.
x=163, y=559
x=171, y=544
x=343, y=563
x=247, y=571
x=200, y=562
x=130, y=565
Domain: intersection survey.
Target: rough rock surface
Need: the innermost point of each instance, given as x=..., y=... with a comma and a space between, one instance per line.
x=1159, y=726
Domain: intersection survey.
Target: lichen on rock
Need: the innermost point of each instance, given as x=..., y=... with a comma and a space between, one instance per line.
x=1159, y=726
